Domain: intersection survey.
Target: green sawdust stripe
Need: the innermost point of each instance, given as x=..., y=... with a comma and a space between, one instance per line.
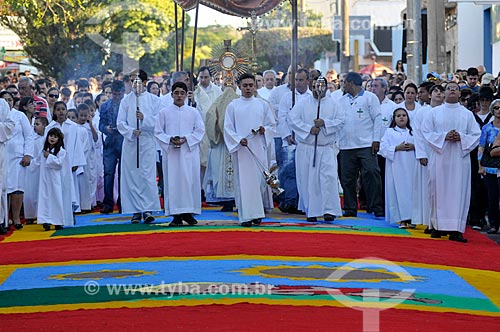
x=75, y=295
x=133, y=228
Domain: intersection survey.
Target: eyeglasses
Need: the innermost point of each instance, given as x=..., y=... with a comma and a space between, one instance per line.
x=464, y=100
x=53, y=96
x=496, y=108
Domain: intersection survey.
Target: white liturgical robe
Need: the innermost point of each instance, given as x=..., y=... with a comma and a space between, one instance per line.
x=7, y=126
x=55, y=205
x=449, y=164
x=243, y=116
x=399, y=171
x=138, y=189
x=318, y=185
x=181, y=165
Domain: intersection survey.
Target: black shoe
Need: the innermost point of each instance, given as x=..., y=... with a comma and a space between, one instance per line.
x=246, y=224
x=46, y=227
x=435, y=234
x=148, y=217
x=428, y=230
x=312, y=219
x=188, y=217
x=458, y=237
x=3, y=230
x=177, y=221
x=136, y=218
x=106, y=210
x=227, y=206
x=256, y=222
x=379, y=215
x=349, y=214
x=328, y=217
x=492, y=230
x=58, y=227
x=18, y=226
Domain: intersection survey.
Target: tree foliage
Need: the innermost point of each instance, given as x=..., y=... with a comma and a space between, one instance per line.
x=55, y=33
x=273, y=46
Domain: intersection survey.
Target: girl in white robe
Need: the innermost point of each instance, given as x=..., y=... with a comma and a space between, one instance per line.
x=397, y=146
x=55, y=206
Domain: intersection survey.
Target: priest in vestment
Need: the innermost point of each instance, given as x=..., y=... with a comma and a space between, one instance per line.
x=179, y=131
x=218, y=181
x=205, y=94
x=318, y=185
x=452, y=133
x=7, y=125
x=138, y=190
x=249, y=126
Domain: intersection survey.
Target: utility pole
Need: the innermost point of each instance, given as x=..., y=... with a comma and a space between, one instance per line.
x=345, y=56
x=414, y=39
x=436, y=37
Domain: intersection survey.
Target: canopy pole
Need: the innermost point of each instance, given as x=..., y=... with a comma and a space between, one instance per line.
x=291, y=79
x=176, y=36
x=194, y=43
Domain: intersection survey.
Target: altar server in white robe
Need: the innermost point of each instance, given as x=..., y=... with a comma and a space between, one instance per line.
x=30, y=200
x=318, y=184
x=398, y=148
x=87, y=181
x=249, y=127
x=452, y=133
x=179, y=131
x=138, y=190
x=72, y=145
x=19, y=152
x=421, y=204
x=55, y=205
x=7, y=126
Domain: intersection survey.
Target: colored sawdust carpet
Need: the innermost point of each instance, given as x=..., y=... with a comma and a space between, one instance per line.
x=355, y=274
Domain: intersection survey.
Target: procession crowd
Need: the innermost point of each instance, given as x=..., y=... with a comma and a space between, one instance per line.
x=405, y=151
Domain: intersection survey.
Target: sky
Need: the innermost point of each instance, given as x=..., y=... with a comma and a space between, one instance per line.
x=208, y=16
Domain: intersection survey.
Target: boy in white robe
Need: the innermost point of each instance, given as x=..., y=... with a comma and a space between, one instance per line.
x=318, y=184
x=7, y=125
x=138, y=189
x=30, y=199
x=452, y=133
x=87, y=181
x=249, y=127
x=179, y=131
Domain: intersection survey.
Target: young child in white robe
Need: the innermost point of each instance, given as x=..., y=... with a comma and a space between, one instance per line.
x=397, y=146
x=87, y=178
x=30, y=199
x=55, y=206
